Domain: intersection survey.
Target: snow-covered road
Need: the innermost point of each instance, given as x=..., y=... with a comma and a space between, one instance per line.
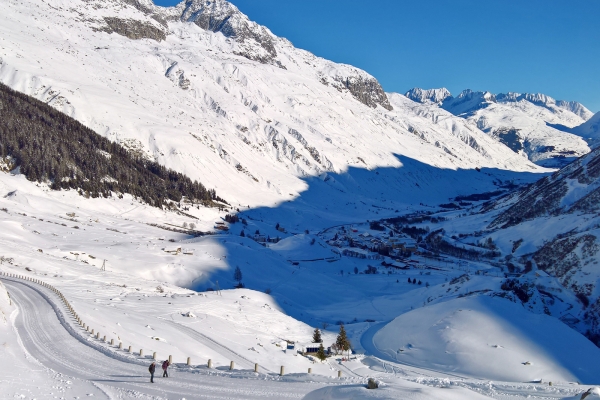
x=46, y=339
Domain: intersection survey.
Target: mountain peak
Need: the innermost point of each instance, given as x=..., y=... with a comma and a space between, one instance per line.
x=428, y=95
x=468, y=101
x=540, y=99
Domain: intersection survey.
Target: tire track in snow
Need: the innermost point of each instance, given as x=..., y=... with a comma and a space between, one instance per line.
x=50, y=339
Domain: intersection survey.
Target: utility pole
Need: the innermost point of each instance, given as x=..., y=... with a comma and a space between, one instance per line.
x=218, y=289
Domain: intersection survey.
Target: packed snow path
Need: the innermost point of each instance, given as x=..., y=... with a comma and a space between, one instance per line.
x=46, y=339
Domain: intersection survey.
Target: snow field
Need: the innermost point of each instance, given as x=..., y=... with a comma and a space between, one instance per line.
x=490, y=338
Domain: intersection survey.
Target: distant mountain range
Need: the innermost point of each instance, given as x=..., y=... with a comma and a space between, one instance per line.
x=549, y=132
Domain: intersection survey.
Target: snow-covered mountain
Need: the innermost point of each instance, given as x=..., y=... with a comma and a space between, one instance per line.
x=533, y=125
x=546, y=237
x=590, y=130
x=203, y=90
x=305, y=151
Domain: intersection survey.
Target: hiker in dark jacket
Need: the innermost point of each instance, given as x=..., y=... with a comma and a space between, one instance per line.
x=165, y=365
x=151, y=369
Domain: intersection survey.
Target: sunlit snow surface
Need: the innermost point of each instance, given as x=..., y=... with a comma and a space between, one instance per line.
x=250, y=131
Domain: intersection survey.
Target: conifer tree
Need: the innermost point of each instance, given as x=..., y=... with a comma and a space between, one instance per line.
x=321, y=353
x=237, y=275
x=317, y=336
x=342, y=341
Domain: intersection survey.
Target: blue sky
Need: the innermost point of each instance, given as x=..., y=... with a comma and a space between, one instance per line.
x=546, y=46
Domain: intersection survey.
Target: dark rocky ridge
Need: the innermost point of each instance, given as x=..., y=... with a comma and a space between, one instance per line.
x=146, y=9
x=546, y=196
x=221, y=16
x=367, y=91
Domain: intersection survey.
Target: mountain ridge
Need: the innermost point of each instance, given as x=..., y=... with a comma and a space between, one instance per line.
x=194, y=104
x=533, y=125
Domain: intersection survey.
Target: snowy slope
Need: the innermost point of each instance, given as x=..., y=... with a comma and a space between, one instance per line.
x=283, y=135
x=215, y=104
x=136, y=301
x=533, y=125
x=590, y=130
x=545, y=239
x=463, y=336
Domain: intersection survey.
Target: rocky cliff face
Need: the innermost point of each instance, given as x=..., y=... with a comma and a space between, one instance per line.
x=252, y=41
x=223, y=17
x=133, y=29
x=366, y=90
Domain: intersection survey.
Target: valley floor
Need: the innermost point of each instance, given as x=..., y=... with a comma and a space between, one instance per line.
x=144, y=298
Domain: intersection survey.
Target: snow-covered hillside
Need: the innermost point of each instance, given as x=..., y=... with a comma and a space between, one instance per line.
x=543, y=239
x=590, y=129
x=355, y=207
x=534, y=125
x=229, y=104
x=63, y=238
x=462, y=336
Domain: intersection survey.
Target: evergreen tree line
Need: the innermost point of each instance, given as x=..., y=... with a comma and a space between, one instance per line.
x=52, y=147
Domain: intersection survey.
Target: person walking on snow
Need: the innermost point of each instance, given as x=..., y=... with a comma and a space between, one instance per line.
x=151, y=369
x=165, y=365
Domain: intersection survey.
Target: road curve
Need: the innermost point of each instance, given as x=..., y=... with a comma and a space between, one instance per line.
x=49, y=338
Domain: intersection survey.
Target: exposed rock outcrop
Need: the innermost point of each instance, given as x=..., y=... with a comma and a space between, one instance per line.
x=133, y=29
x=222, y=16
